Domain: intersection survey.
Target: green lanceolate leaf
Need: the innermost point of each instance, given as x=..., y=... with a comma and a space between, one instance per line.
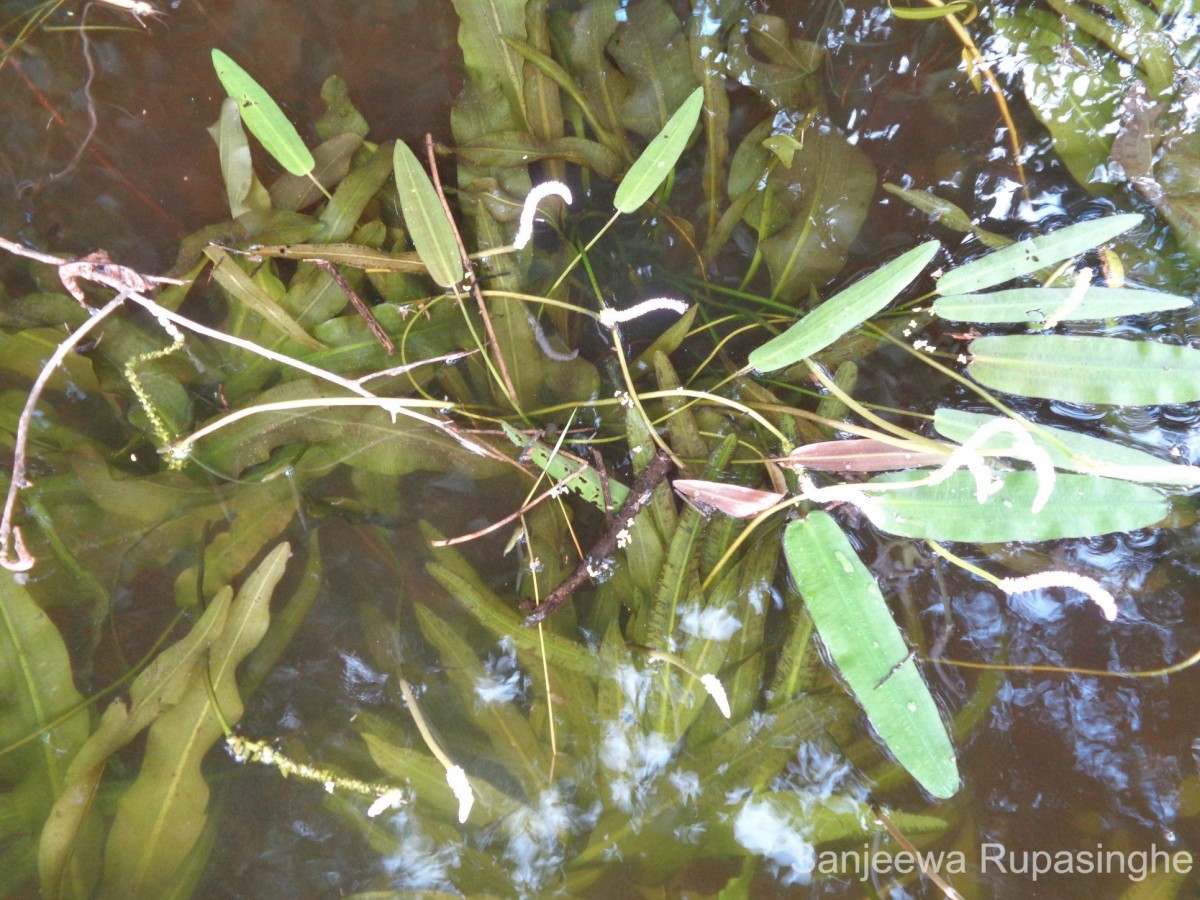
x=1081, y=506
x=1038, y=305
x=1031, y=254
x=658, y=160
x=1087, y=369
x=431, y=231
x=263, y=116
x=843, y=311
x=1072, y=451
x=857, y=628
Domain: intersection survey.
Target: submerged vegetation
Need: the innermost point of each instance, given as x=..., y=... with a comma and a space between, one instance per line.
x=670, y=650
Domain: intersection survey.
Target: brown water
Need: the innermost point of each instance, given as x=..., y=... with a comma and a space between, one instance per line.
x=1057, y=763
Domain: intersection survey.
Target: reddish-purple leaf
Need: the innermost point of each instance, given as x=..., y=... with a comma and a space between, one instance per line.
x=861, y=455
x=731, y=499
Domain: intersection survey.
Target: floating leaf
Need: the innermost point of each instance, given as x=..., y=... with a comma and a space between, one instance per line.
x=1080, y=506
x=1037, y=305
x=431, y=232
x=1073, y=451
x=1032, y=254
x=843, y=311
x=857, y=628
x=162, y=814
x=731, y=499
x=861, y=455
x=263, y=116
x=658, y=160
x=1087, y=369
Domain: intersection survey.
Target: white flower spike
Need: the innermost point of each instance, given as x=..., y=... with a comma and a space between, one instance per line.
x=610, y=317
x=1081, y=583
x=457, y=779
x=716, y=690
x=385, y=801
x=529, y=210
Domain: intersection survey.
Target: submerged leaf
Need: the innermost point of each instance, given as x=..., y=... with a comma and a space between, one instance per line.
x=811, y=211
x=263, y=116
x=156, y=689
x=651, y=50
x=483, y=26
x=1087, y=369
x=845, y=310
x=331, y=162
x=244, y=289
x=1076, y=95
x=525, y=758
x=943, y=212
x=162, y=814
x=857, y=628
x=242, y=187
x=559, y=466
x=35, y=672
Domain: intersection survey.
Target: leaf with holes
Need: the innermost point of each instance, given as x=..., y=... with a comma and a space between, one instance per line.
x=1030, y=255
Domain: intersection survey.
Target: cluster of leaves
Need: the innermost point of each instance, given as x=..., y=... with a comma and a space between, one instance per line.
x=1086, y=66
x=610, y=747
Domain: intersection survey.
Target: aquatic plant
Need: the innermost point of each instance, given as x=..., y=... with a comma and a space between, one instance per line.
x=656, y=696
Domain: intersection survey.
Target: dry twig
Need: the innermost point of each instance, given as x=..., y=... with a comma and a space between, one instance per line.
x=600, y=556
